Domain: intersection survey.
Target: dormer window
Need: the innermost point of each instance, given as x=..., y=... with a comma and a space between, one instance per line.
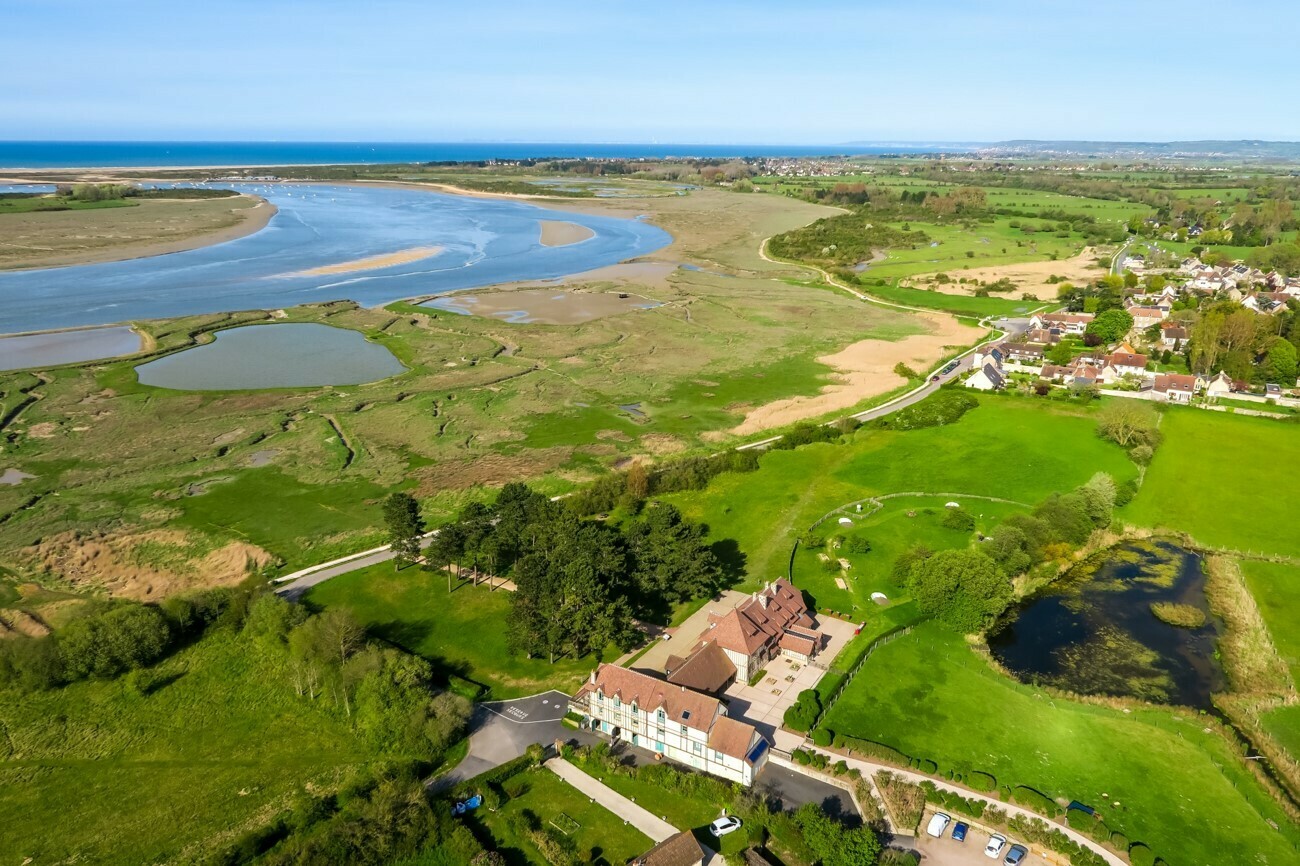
x=617, y=702
x=660, y=716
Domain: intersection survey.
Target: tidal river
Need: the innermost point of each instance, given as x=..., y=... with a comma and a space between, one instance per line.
x=368, y=244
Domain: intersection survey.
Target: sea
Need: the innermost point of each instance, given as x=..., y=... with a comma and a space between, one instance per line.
x=126, y=154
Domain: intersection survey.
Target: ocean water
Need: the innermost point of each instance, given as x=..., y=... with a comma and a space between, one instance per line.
x=91, y=154
x=481, y=242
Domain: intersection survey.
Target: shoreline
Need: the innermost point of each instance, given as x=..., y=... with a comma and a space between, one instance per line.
x=256, y=218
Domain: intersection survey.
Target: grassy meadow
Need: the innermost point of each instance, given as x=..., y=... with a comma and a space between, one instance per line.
x=1168, y=783
x=1219, y=478
x=461, y=633
x=98, y=773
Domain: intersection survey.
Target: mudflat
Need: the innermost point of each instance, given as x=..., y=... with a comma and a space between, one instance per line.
x=559, y=233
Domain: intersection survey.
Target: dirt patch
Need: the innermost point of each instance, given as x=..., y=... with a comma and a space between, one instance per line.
x=558, y=233
x=864, y=369
x=370, y=263
x=1029, y=277
x=43, y=430
x=145, y=565
x=490, y=470
x=662, y=443
x=14, y=621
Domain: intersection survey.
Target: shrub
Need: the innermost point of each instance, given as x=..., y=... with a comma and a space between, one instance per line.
x=869, y=749
x=1119, y=840
x=959, y=519
x=944, y=407
x=822, y=737
x=802, y=715
x=1141, y=855
x=906, y=372
x=470, y=691
x=1035, y=800
x=981, y=781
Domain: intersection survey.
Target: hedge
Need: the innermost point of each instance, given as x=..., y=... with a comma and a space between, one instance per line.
x=981, y=781
x=467, y=689
x=1035, y=800
x=1141, y=855
x=868, y=748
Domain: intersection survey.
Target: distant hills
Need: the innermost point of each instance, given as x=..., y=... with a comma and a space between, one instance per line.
x=1247, y=149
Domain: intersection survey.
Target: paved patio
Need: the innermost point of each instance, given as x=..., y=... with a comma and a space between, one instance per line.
x=763, y=705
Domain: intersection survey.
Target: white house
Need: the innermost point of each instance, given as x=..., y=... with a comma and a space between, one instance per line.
x=987, y=378
x=1177, y=389
x=1069, y=323
x=673, y=721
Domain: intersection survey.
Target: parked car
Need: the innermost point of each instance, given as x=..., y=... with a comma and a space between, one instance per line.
x=959, y=831
x=934, y=378
x=994, y=848
x=938, y=823
x=1015, y=855
x=723, y=826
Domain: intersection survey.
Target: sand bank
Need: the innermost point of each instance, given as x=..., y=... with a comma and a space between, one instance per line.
x=542, y=306
x=863, y=370
x=370, y=263
x=558, y=233
x=251, y=212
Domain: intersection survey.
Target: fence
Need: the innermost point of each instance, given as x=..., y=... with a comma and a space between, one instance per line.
x=876, y=643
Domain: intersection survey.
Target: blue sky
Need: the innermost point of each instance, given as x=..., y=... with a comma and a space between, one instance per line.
x=752, y=72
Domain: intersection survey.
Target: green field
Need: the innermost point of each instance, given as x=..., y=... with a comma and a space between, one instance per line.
x=1169, y=784
x=900, y=525
x=599, y=833
x=41, y=203
x=1013, y=448
x=1276, y=588
x=97, y=773
x=962, y=305
x=1222, y=503
x=463, y=633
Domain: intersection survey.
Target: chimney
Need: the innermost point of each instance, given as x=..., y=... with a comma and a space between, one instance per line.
x=593, y=676
x=762, y=599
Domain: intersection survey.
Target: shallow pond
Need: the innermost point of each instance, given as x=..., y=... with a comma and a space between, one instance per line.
x=66, y=347
x=290, y=355
x=1093, y=631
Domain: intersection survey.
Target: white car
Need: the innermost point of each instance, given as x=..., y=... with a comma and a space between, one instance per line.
x=723, y=826
x=938, y=823
x=996, y=843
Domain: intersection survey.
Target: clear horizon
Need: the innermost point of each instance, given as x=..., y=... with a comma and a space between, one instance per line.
x=727, y=72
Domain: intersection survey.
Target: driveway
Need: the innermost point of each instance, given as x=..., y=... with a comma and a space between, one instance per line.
x=795, y=789
x=501, y=731
x=945, y=852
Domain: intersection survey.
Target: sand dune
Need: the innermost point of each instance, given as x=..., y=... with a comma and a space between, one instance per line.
x=370, y=263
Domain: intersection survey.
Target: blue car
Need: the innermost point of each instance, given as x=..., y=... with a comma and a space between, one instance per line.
x=959, y=832
x=1015, y=855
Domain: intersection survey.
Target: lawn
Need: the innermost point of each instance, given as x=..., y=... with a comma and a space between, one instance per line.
x=1220, y=479
x=463, y=633
x=599, y=833
x=1015, y=448
x=1276, y=588
x=962, y=305
x=900, y=525
x=96, y=773
x=1168, y=783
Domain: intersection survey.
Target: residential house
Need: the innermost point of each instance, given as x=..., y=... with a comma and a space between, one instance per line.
x=670, y=720
x=987, y=378
x=1220, y=385
x=1173, y=336
x=707, y=670
x=679, y=850
x=1177, y=389
x=1068, y=323
x=1023, y=353
x=1145, y=317
x=995, y=353
x=753, y=632
x=1267, y=303
x=1043, y=336
x=1126, y=364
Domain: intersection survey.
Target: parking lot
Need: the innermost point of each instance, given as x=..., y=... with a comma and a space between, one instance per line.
x=946, y=852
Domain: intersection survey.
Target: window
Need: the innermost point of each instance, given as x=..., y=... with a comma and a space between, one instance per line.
x=600, y=697
x=617, y=702
x=699, y=750
x=635, y=711
x=683, y=730
x=717, y=756
x=660, y=716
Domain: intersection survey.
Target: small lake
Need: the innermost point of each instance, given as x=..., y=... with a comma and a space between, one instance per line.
x=66, y=347
x=289, y=355
x=1093, y=632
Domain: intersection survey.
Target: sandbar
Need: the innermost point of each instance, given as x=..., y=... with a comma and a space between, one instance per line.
x=369, y=263
x=552, y=306
x=559, y=233
x=863, y=370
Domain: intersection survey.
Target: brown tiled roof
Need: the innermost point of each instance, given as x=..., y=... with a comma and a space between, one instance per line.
x=1068, y=317
x=680, y=704
x=1165, y=384
x=1146, y=312
x=1125, y=359
x=706, y=670
x=731, y=737
x=753, y=624
x=679, y=850
x=798, y=643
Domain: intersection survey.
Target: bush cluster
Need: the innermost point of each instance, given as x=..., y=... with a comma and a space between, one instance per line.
x=802, y=714
x=945, y=407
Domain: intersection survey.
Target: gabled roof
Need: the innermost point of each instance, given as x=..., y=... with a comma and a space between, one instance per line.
x=680, y=704
x=679, y=850
x=732, y=738
x=706, y=670
x=1124, y=359
x=1165, y=384
x=760, y=619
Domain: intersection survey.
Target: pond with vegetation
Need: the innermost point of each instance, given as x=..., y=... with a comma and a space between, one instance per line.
x=289, y=355
x=1106, y=628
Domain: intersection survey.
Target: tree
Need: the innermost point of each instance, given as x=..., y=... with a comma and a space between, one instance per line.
x=1280, y=362
x=405, y=527
x=673, y=561
x=832, y=842
x=963, y=589
x=446, y=549
x=1111, y=325
x=1128, y=422
x=1099, y=498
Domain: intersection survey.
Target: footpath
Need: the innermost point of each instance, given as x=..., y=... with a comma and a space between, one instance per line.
x=656, y=828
